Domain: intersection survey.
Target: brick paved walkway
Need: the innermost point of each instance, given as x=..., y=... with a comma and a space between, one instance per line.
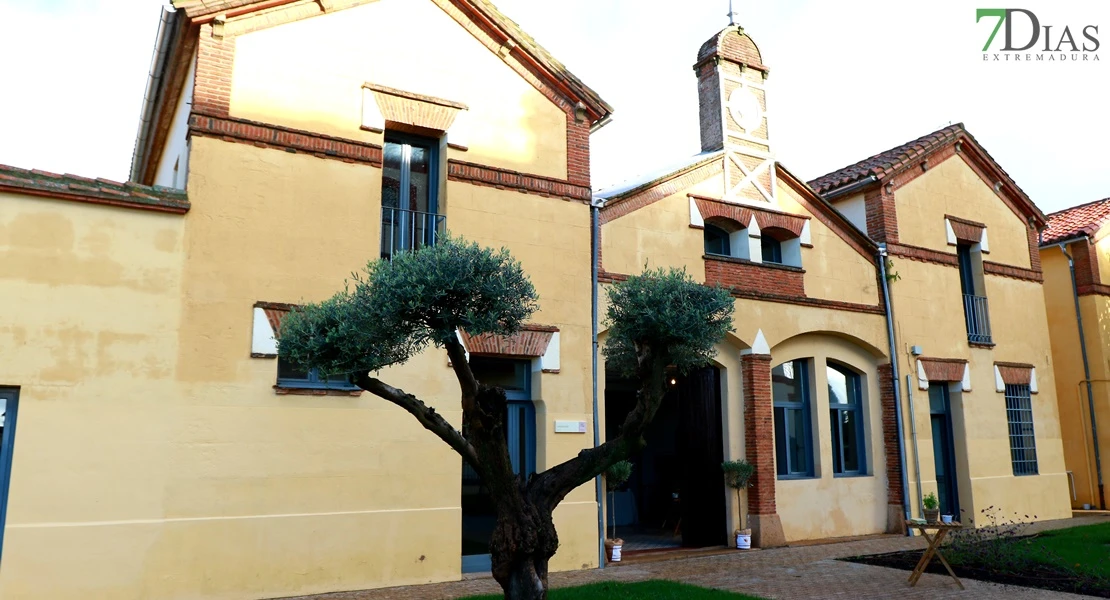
x=796, y=572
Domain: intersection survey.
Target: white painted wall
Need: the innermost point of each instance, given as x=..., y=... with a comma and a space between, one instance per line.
x=854, y=210
x=173, y=166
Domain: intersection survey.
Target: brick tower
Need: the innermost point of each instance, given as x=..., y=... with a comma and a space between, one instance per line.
x=733, y=110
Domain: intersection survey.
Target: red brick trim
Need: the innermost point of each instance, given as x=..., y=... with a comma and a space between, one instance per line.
x=92, y=191
x=745, y=275
x=275, y=314
x=742, y=214
x=828, y=215
x=943, y=369
x=296, y=391
x=1094, y=289
x=611, y=277
x=966, y=231
x=530, y=342
x=215, y=60
x=414, y=96
x=993, y=268
x=759, y=425
x=891, y=443
x=416, y=110
x=1015, y=373
x=265, y=135
x=950, y=260
x=458, y=170
x=657, y=190
x=1085, y=256
x=983, y=345
x=1033, y=239
x=882, y=215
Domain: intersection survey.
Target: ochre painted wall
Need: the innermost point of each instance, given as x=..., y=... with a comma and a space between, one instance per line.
x=309, y=75
x=1071, y=393
x=928, y=305
x=953, y=188
x=90, y=303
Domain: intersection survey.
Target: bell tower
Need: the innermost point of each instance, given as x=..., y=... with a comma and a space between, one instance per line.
x=733, y=109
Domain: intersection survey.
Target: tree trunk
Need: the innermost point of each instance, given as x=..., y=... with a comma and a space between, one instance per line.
x=523, y=542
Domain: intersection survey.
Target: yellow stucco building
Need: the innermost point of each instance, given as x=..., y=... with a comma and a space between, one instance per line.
x=153, y=445
x=1075, y=253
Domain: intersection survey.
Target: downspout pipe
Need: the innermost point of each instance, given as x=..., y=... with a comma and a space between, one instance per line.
x=595, y=237
x=894, y=381
x=1086, y=374
x=153, y=88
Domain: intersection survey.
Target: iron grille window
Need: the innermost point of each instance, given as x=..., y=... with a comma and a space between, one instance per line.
x=793, y=426
x=1023, y=443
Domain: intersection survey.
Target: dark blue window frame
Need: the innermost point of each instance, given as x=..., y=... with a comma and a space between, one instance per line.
x=786, y=411
x=10, y=398
x=290, y=377
x=1023, y=439
x=837, y=411
x=771, y=249
x=717, y=241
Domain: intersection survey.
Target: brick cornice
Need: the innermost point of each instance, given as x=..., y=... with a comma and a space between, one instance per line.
x=993, y=268
x=657, y=190
x=266, y=135
x=611, y=277
x=92, y=191
x=1093, y=289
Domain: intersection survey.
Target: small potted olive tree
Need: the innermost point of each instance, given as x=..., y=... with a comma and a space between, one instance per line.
x=932, y=507
x=738, y=475
x=615, y=476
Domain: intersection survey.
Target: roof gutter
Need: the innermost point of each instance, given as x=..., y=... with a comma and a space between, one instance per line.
x=850, y=188
x=162, y=44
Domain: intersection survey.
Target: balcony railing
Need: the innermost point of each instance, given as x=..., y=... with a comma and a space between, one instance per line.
x=409, y=230
x=978, y=320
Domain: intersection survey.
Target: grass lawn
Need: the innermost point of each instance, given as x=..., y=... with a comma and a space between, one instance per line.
x=1081, y=548
x=642, y=590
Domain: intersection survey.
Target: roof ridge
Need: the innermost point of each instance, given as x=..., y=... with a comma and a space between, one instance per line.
x=1077, y=206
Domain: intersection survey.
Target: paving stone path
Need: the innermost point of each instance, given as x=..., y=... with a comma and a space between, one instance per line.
x=809, y=571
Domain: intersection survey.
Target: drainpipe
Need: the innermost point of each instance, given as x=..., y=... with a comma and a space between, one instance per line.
x=595, y=222
x=1086, y=374
x=913, y=435
x=894, y=381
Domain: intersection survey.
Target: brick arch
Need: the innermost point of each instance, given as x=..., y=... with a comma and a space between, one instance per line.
x=726, y=223
x=778, y=233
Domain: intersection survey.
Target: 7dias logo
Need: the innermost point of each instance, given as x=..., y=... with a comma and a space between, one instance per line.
x=1026, y=39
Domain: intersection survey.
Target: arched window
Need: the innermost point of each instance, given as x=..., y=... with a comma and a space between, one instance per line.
x=793, y=424
x=771, y=248
x=846, y=420
x=716, y=241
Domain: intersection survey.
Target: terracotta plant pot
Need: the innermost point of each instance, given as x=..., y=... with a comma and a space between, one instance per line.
x=932, y=515
x=613, y=550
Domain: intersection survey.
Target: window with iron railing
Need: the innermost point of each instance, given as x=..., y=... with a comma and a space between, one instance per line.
x=976, y=314
x=410, y=193
x=1019, y=417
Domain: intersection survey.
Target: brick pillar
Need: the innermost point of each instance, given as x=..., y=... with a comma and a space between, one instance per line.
x=882, y=218
x=895, y=521
x=759, y=443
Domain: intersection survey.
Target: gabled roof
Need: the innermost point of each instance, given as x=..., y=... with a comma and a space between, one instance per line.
x=655, y=176
x=886, y=164
x=195, y=9
x=95, y=191
x=888, y=161
x=1077, y=221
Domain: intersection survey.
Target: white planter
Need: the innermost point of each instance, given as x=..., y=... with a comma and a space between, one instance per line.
x=946, y=519
x=743, y=541
x=615, y=553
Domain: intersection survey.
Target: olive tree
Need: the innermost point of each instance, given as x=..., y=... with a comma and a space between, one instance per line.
x=396, y=310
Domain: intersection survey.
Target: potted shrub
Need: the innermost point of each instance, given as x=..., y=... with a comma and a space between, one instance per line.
x=615, y=477
x=932, y=507
x=738, y=475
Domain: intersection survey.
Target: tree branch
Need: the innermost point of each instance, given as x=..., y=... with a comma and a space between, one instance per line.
x=459, y=364
x=428, y=417
x=554, y=484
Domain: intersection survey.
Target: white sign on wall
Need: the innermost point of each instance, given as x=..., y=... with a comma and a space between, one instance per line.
x=570, y=426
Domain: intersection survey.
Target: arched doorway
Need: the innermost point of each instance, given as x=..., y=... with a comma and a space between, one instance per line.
x=676, y=495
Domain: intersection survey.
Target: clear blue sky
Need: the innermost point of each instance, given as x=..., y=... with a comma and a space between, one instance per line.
x=848, y=79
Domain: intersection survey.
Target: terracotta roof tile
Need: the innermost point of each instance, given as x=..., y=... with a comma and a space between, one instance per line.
x=98, y=191
x=1085, y=219
x=888, y=161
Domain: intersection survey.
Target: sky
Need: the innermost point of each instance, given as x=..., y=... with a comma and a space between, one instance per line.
x=848, y=79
